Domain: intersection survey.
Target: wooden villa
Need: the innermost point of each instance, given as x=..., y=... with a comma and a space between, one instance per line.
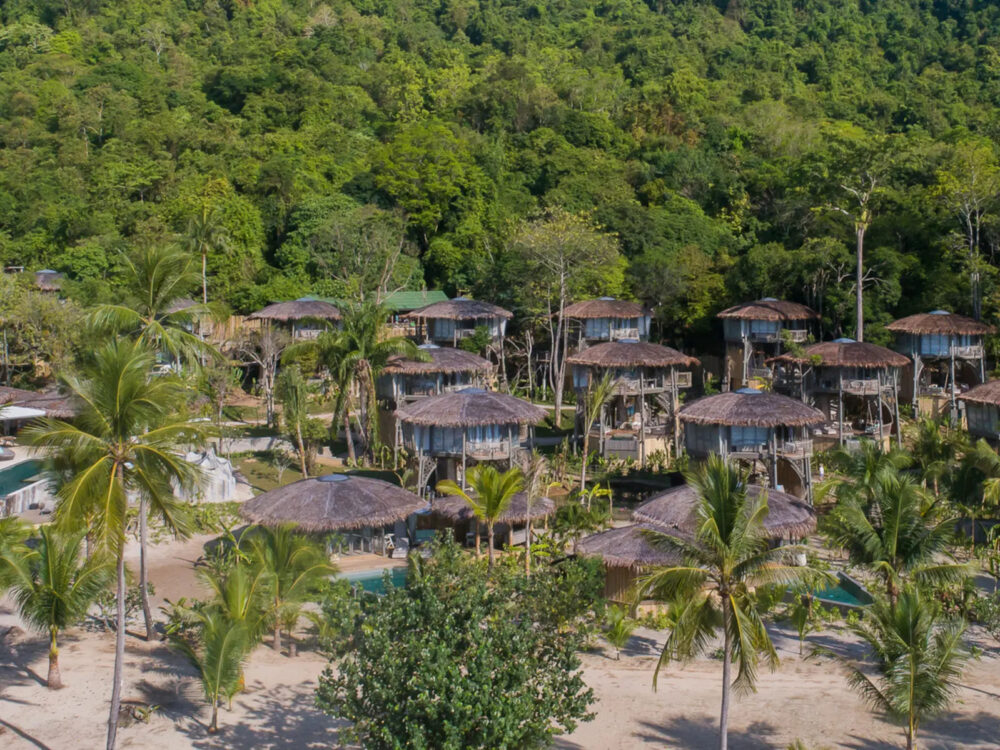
x=447, y=323
x=304, y=318
x=765, y=431
x=400, y=304
x=856, y=384
x=606, y=319
x=448, y=432
x=948, y=357
x=642, y=416
x=982, y=411
x=754, y=332
x=627, y=551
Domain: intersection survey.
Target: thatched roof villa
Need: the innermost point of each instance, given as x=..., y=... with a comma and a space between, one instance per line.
x=607, y=319
x=753, y=333
x=445, y=323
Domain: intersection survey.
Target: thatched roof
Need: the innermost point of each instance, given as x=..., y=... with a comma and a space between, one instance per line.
x=461, y=308
x=300, y=309
x=455, y=509
x=48, y=280
x=55, y=405
x=631, y=354
x=443, y=360
x=769, y=309
x=847, y=353
x=939, y=321
x=333, y=502
x=627, y=547
x=749, y=407
x=674, y=511
x=987, y=393
x=605, y=307
x=470, y=407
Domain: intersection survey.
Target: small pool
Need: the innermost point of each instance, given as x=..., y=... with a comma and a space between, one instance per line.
x=13, y=478
x=371, y=580
x=845, y=591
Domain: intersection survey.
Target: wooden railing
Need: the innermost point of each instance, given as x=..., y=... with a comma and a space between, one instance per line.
x=796, y=449
x=967, y=352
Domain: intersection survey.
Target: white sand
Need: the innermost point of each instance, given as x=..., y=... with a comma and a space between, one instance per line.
x=806, y=700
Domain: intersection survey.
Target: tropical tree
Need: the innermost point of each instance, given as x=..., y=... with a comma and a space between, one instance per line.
x=239, y=590
x=933, y=451
x=900, y=533
x=597, y=395
x=123, y=442
x=264, y=349
x=155, y=308
x=218, y=651
x=296, y=567
x=293, y=393
x=728, y=558
x=491, y=495
x=618, y=628
x=861, y=469
x=973, y=483
x=536, y=470
x=53, y=587
x=205, y=233
x=919, y=657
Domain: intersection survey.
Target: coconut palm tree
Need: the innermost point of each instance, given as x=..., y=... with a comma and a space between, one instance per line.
x=205, y=232
x=491, y=495
x=13, y=533
x=918, y=654
x=899, y=533
x=973, y=483
x=53, y=588
x=219, y=651
x=240, y=592
x=598, y=394
x=726, y=560
x=155, y=308
x=296, y=566
x=861, y=468
x=933, y=451
x=123, y=442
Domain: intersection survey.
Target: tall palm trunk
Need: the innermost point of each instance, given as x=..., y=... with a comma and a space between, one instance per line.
x=527, y=546
x=351, y=454
x=276, y=645
x=116, y=689
x=147, y=614
x=859, y=302
x=727, y=652
x=54, y=679
x=489, y=542
x=302, y=448
x=583, y=464
x=213, y=726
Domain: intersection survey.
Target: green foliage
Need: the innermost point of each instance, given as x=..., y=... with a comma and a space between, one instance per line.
x=457, y=660
x=489, y=496
x=479, y=342
x=618, y=628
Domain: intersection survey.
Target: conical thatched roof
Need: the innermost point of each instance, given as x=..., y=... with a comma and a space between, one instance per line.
x=442, y=359
x=605, y=307
x=939, y=321
x=675, y=512
x=769, y=309
x=631, y=354
x=847, y=353
x=300, y=309
x=627, y=547
x=987, y=393
x=461, y=308
x=455, y=509
x=749, y=407
x=332, y=503
x=471, y=407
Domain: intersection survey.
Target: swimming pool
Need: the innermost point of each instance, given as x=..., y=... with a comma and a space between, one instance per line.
x=13, y=478
x=846, y=591
x=371, y=580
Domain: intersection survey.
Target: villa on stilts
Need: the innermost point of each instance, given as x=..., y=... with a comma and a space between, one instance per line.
x=606, y=319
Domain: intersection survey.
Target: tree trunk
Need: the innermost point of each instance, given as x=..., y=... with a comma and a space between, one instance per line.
x=727, y=648
x=213, y=727
x=351, y=455
x=116, y=689
x=147, y=614
x=586, y=455
x=911, y=733
x=204, y=276
x=54, y=680
x=476, y=522
x=859, y=278
x=302, y=449
x=527, y=546
x=276, y=644
x=489, y=542
x=293, y=647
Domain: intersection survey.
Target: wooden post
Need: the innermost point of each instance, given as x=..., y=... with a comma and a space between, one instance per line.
x=916, y=381
x=463, y=458
x=880, y=434
x=895, y=402
x=601, y=432
x=674, y=404
x=840, y=405
x=954, y=405
x=642, y=419
x=420, y=469
x=774, y=458
x=510, y=448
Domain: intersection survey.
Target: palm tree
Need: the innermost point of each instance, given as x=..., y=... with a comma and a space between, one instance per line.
x=205, y=232
x=296, y=567
x=933, y=451
x=919, y=656
x=536, y=469
x=155, y=308
x=293, y=393
x=861, y=468
x=355, y=355
x=491, y=495
x=728, y=558
x=13, y=532
x=219, y=653
x=53, y=589
x=123, y=441
x=598, y=394
x=899, y=533
x=240, y=593
x=974, y=482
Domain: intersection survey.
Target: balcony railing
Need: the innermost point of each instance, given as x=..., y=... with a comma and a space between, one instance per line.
x=796, y=449
x=623, y=333
x=967, y=352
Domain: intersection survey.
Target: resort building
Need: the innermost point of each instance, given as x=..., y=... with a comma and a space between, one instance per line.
x=304, y=318
x=855, y=384
x=627, y=552
x=521, y=512
x=606, y=319
x=754, y=332
x=447, y=323
x=400, y=304
x=447, y=433
x=948, y=358
x=48, y=280
x=767, y=432
x=982, y=411
x=641, y=417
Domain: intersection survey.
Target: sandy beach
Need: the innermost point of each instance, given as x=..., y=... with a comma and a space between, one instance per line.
x=807, y=700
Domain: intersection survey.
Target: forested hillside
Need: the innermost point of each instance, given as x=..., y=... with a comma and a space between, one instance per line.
x=723, y=144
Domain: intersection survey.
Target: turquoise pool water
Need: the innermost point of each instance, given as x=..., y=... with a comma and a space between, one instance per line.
x=13, y=478
x=372, y=580
x=844, y=592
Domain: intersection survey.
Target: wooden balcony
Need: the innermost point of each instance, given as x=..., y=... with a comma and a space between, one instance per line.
x=796, y=449
x=967, y=352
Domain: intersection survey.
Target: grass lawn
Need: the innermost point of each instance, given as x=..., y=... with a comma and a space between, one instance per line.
x=262, y=473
